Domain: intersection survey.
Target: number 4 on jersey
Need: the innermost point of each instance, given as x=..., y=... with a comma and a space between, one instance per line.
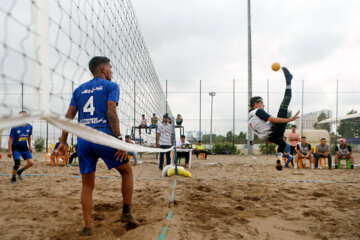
x=89, y=106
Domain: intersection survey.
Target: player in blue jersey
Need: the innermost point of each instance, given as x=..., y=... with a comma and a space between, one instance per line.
x=95, y=102
x=19, y=139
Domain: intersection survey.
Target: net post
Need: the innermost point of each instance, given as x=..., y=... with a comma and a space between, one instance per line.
x=41, y=68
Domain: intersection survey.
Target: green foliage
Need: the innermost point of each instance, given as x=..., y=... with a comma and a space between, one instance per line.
x=349, y=128
x=239, y=139
x=325, y=126
x=39, y=144
x=225, y=148
x=270, y=149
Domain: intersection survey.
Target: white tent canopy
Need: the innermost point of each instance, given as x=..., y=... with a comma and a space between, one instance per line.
x=333, y=120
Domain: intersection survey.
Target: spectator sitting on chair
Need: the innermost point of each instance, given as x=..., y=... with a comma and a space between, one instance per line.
x=294, y=138
x=165, y=139
x=56, y=154
x=143, y=123
x=73, y=156
x=303, y=150
x=154, y=122
x=287, y=154
x=128, y=140
x=343, y=150
x=179, y=120
x=322, y=151
x=183, y=154
x=199, y=148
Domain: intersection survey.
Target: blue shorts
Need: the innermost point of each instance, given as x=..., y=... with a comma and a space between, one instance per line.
x=89, y=153
x=24, y=155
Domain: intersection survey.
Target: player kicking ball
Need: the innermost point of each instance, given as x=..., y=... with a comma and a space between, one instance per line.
x=95, y=102
x=268, y=128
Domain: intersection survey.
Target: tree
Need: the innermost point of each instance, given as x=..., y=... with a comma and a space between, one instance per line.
x=229, y=136
x=349, y=128
x=242, y=138
x=325, y=126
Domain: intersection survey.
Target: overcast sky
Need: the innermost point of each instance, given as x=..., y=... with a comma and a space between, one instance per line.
x=318, y=40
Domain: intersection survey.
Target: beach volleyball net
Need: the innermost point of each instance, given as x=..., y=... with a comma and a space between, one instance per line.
x=45, y=47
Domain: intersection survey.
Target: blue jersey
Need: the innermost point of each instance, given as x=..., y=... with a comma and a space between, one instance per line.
x=90, y=100
x=19, y=137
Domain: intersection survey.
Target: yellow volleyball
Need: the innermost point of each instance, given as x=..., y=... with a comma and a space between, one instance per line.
x=275, y=66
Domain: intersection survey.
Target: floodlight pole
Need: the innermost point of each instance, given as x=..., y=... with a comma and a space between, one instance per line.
x=233, y=133
x=200, y=137
x=250, y=134
x=302, y=108
x=22, y=96
x=212, y=94
x=166, y=92
x=337, y=109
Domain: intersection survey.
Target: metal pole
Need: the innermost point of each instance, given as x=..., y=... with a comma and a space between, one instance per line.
x=211, y=122
x=337, y=109
x=135, y=106
x=47, y=134
x=166, y=96
x=212, y=94
x=302, y=108
x=200, y=137
x=72, y=91
x=22, y=96
x=233, y=133
x=268, y=104
x=250, y=134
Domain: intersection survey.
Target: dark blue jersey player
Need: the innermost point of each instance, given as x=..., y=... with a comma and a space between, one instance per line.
x=95, y=102
x=20, y=146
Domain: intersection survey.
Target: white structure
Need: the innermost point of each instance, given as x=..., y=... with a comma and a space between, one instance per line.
x=190, y=135
x=309, y=119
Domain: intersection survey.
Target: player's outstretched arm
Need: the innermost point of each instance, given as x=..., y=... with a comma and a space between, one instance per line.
x=283, y=120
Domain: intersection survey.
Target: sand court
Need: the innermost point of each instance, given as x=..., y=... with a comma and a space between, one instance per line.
x=228, y=197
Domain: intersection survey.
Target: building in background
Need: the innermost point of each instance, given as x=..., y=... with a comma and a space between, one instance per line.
x=190, y=135
x=309, y=119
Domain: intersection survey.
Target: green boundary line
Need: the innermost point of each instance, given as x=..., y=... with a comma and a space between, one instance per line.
x=169, y=215
x=173, y=193
x=163, y=233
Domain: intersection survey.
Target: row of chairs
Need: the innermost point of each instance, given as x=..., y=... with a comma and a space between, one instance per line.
x=322, y=161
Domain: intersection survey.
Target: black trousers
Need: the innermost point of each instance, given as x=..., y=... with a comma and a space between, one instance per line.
x=184, y=154
x=74, y=155
x=293, y=150
x=278, y=129
x=201, y=151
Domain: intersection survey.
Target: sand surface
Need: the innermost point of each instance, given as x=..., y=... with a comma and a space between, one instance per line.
x=228, y=197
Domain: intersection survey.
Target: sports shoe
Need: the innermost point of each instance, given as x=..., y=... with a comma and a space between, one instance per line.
x=86, y=232
x=319, y=167
x=13, y=180
x=19, y=172
x=129, y=218
x=187, y=165
x=288, y=75
x=278, y=165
